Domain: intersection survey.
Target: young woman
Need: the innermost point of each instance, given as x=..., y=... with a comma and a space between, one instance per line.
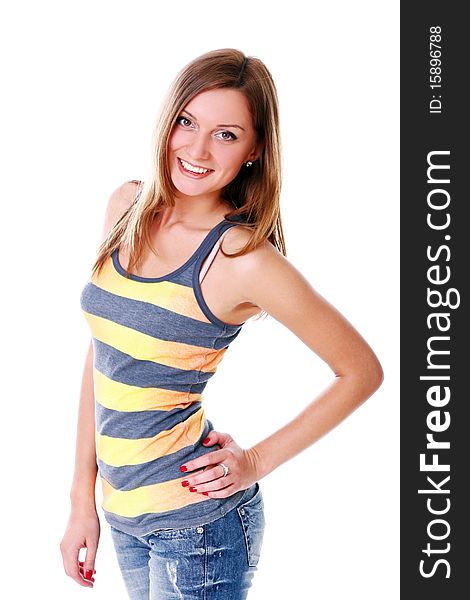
x=165, y=299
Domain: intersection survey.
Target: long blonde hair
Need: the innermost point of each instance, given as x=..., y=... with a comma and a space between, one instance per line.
x=255, y=191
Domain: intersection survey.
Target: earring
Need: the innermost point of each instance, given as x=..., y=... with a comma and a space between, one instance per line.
x=248, y=164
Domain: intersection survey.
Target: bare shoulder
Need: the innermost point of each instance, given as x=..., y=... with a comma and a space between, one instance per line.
x=119, y=201
x=266, y=278
x=261, y=268
x=255, y=261
x=122, y=197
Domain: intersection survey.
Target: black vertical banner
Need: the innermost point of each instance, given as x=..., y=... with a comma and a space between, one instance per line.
x=434, y=262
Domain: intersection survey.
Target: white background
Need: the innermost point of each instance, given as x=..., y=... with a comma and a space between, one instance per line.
x=82, y=86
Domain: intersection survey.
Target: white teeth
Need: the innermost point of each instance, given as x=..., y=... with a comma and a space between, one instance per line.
x=189, y=167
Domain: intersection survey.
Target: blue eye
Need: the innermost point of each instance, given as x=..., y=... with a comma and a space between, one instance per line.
x=185, y=122
x=181, y=119
x=232, y=136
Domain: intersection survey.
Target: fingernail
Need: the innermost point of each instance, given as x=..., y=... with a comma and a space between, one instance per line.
x=185, y=483
x=205, y=493
x=206, y=440
x=183, y=468
x=192, y=489
x=88, y=574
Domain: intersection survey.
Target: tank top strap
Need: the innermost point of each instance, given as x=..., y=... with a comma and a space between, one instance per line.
x=211, y=244
x=210, y=257
x=207, y=253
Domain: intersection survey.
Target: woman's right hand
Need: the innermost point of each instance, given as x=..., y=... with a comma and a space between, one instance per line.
x=83, y=531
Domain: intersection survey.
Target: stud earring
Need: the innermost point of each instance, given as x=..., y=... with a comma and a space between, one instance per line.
x=248, y=164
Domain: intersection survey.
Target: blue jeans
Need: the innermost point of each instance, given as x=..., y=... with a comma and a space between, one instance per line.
x=215, y=561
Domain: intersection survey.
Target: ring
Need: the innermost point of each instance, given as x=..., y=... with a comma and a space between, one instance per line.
x=224, y=468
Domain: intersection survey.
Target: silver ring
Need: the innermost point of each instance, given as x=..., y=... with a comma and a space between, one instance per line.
x=224, y=468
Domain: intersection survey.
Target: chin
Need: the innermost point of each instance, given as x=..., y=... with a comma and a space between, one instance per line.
x=187, y=190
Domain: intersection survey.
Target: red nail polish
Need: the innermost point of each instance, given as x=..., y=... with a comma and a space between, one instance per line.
x=185, y=483
x=206, y=440
x=88, y=574
x=192, y=489
x=183, y=468
x=205, y=493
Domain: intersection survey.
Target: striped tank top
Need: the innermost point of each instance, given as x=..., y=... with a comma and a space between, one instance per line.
x=156, y=344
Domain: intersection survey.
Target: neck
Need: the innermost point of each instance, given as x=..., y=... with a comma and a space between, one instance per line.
x=190, y=209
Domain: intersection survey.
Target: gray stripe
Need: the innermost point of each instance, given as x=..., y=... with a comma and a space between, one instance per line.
x=140, y=424
x=160, y=470
x=123, y=368
x=158, y=322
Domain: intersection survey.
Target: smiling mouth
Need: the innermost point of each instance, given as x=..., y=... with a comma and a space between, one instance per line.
x=194, y=170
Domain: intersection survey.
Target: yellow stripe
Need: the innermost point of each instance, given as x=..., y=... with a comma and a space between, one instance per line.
x=166, y=294
x=118, y=452
x=156, y=498
x=146, y=347
x=126, y=398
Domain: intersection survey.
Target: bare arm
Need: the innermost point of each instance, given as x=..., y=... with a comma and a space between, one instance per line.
x=276, y=286
x=82, y=494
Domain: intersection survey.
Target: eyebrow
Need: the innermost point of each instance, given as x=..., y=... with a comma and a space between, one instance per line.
x=221, y=125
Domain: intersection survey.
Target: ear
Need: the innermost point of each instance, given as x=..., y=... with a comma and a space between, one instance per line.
x=256, y=152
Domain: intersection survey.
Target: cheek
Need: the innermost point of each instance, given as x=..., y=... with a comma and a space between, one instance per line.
x=177, y=139
x=230, y=159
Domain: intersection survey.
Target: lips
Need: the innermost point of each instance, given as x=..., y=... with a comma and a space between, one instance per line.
x=191, y=173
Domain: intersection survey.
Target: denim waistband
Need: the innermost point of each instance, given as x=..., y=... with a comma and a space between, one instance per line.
x=249, y=493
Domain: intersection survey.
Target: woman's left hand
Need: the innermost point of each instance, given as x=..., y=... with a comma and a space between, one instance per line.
x=242, y=468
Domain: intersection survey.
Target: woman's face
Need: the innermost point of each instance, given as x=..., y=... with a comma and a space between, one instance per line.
x=214, y=133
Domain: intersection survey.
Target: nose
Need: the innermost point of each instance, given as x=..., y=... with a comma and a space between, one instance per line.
x=199, y=147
